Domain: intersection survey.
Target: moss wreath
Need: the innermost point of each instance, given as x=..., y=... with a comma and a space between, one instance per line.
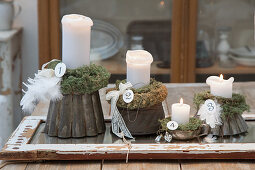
x=144, y=97
x=194, y=124
x=230, y=106
x=85, y=79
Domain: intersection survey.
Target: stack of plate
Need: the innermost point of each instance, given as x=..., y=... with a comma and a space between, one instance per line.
x=243, y=56
x=106, y=40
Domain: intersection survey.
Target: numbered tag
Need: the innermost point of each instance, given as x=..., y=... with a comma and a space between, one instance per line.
x=210, y=106
x=128, y=96
x=60, y=69
x=172, y=125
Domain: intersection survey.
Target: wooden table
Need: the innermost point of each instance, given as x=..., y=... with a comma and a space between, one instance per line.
x=186, y=91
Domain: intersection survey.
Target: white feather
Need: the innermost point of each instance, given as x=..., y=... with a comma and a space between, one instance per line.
x=44, y=87
x=211, y=119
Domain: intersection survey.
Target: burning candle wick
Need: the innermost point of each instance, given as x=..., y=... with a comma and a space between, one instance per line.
x=181, y=101
x=221, y=77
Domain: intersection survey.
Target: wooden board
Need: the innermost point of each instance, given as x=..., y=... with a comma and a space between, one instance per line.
x=18, y=147
x=131, y=165
x=217, y=165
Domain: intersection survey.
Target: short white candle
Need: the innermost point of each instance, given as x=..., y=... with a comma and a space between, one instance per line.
x=76, y=40
x=180, y=112
x=220, y=87
x=138, y=67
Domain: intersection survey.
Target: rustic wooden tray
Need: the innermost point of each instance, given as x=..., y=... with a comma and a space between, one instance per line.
x=28, y=142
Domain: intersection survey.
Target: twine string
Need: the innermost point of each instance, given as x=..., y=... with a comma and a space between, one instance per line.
x=129, y=145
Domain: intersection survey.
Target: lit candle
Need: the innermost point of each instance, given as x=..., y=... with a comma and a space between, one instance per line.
x=180, y=112
x=76, y=40
x=138, y=67
x=220, y=87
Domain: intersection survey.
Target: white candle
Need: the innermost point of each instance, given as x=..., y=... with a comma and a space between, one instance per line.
x=180, y=112
x=219, y=86
x=138, y=67
x=76, y=40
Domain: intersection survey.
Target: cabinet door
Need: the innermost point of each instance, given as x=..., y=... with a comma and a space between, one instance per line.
x=183, y=41
x=225, y=39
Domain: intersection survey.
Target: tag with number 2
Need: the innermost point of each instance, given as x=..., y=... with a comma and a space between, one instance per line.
x=128, y=96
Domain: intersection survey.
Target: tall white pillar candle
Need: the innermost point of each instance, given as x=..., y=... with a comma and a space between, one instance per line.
x=180, y=112
x=220, y=87
x=76, y=40
x=138, y=67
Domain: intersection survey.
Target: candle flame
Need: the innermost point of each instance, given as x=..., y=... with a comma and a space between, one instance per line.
x=181, y=101
x=221, y=77
x=162, y=3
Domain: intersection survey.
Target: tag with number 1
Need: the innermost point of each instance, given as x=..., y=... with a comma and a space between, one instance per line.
x=60, y=69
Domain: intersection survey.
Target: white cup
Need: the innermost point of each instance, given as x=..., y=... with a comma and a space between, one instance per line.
x=7, y=14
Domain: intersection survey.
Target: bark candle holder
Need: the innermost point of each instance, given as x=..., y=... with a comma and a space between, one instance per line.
x=142, y=115
x=75, y=116
x=231, y=113
x=79, y=113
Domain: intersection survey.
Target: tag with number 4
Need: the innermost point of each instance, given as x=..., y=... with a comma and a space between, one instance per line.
x=172, y=125
x=60, y=69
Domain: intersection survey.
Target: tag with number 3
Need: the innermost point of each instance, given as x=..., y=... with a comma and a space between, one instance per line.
x=60, y=69
x=210, y=106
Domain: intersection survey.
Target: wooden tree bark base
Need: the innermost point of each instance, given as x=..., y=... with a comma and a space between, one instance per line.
x=234, y=126
x=143, y=121
x=75, y=116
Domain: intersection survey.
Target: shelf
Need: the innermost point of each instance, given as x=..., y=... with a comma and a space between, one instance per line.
x=117, y=65
x=216, y=69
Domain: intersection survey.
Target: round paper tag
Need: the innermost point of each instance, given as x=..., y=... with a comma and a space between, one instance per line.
x=128, y=96
x=60, y=69
x=210, y=105
x=172, y=125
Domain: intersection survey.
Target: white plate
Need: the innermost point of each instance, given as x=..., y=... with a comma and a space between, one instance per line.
x=243, y=52
x=243, y=61
x=106, y=40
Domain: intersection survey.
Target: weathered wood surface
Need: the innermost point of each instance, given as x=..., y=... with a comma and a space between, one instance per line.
x=134, y=165
x=247, y=89
x=218, y=165
x=145, y=165
x=75, y=116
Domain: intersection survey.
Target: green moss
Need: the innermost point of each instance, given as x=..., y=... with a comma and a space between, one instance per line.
x=230, y=106
x=194, y=124
x=85, y=79
x=53, y=64
x=144, y=97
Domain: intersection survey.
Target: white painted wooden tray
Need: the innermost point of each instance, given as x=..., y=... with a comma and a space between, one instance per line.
x=19, y=147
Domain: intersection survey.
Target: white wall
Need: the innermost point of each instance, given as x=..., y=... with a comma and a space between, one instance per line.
x=28, y=20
